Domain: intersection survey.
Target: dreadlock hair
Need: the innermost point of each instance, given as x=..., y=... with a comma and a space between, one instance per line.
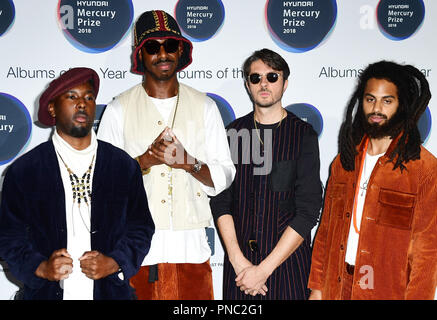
x=413, y=94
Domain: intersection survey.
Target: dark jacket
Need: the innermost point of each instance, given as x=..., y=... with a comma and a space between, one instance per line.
x=33, y=219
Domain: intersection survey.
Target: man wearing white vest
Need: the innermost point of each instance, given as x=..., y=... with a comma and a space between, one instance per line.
x=177, y=136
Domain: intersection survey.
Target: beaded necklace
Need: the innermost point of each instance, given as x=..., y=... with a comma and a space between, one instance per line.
x=80, y=187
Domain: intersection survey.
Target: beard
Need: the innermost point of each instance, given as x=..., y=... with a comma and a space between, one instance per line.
x=267, y=104
x=390, y=128
x=80, y=132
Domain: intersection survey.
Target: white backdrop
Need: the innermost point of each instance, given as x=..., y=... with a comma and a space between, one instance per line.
x=35, y=41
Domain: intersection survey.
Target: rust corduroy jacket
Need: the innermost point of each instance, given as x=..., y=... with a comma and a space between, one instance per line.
x=397, y=249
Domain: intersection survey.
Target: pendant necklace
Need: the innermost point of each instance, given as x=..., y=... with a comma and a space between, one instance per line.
x=364, y=186
x=357, y=187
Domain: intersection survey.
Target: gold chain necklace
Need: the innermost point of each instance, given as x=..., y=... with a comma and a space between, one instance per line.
x=257, y=130
x=175, y=109
x=168, y=138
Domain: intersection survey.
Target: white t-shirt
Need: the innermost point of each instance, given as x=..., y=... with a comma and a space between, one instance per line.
x=352, y=243
x=77, y=286
x=180, y=246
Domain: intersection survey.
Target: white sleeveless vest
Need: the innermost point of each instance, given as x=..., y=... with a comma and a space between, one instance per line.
x=183, y=200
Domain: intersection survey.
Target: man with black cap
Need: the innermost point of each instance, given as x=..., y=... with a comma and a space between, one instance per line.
x=74, y=219
x=177, y=136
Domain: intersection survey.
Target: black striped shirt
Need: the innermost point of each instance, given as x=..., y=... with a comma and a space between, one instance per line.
x=264, y=205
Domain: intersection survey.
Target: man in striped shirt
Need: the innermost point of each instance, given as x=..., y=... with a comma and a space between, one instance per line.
x=265, y=217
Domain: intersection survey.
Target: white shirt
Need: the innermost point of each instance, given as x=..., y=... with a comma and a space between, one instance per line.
x=352, y=243
x=77, y=286
x=180, y=246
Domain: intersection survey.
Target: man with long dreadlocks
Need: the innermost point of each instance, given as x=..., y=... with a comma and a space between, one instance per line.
x=378, y=234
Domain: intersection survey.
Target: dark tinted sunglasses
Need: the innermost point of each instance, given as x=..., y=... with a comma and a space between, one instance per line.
x=153, y=46
x=255, y=78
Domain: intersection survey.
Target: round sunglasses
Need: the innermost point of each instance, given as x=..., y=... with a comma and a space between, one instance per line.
x=153, y=46
x=271, y=77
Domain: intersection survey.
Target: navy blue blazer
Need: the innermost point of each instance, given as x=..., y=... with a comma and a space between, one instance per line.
x=33, y=219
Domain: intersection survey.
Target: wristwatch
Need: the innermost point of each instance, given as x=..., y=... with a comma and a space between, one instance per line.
x=120, y=274
x=196, y=166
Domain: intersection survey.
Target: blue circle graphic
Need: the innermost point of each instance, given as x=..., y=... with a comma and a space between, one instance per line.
x=95, y=26
x=100, y=108
x=15, y=127
x=424, y=124
x=224, y=107
x=398, y=20
x=199, y=19
x=300, y=26
x=308, y=113
x=7, y=15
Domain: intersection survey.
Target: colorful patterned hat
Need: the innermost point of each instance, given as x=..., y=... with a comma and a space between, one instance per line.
x=158, y=24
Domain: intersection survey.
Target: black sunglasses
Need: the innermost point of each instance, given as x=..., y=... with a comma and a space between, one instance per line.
x=153, y=46
x=255, y=78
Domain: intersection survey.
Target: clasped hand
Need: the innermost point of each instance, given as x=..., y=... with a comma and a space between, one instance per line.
x=251, y=278
x=59, y=266
x=167, y=149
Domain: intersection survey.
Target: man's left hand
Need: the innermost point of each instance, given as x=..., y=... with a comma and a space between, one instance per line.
x=252, y=280
x=96, y=265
